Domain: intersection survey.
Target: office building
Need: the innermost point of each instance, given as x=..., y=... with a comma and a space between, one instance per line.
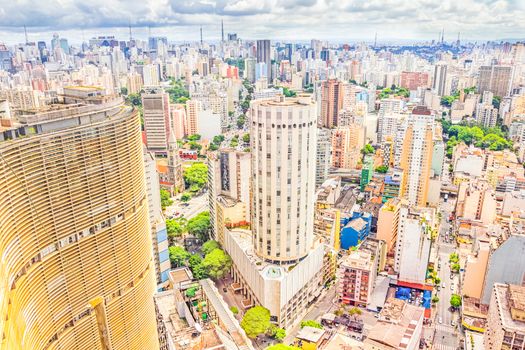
x=416, y=156
x=249, y=69
x=496, y=79
x=77, y=268
x=506, y=318
x=414, y=80
x=486, y=113
x=439, y=84
x=156, y=114
x=263, y=56
x=134, y=82
x=284, y=140
x=331, y=102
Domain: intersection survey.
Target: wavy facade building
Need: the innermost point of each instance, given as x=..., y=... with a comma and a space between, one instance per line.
x=75, y=247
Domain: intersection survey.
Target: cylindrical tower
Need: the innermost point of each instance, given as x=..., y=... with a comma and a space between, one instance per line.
x=283, y=134
x=76, y=257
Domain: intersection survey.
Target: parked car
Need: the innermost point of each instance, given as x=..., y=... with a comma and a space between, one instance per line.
x=440, y=320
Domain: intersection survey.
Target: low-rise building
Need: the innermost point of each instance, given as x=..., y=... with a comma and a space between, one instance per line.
x=399, y=326
x=506, y=318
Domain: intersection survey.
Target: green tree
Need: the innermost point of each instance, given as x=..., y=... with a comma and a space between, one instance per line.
x=368, y=149
x=134, y=99
x=453, y=257
x=455, y=301
x=199, y=225
x=435, y=299
x=276, y=332
x=185, y=197
x=246, y=138
x=178, y=255
x=217, y=263
x=382, y=169
x=194, y=137
x=355, y=311
x=496, y=101
x=196, y=176
x=455, y=267
x=281, y=346
x=256, y=321
x=234, y=310
x=210, y=246
x=241, y=120
x=175, y=228
x=218, y=139
x=312, y=323
x=165, y=198
x=123, y=90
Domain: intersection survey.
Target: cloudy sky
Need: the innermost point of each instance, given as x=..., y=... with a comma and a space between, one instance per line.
x=335, y=20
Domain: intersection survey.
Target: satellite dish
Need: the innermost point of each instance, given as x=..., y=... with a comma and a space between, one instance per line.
x=198, y=327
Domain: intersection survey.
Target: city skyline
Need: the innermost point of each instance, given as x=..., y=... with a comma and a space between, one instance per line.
x=400, y=21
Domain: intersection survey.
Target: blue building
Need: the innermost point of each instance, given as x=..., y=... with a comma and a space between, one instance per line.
x=356, y=230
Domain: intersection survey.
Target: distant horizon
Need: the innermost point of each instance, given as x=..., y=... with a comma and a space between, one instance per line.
x=77, y=37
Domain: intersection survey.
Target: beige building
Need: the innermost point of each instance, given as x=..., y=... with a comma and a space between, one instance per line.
x=332, y=97
x=388, y=221
x=475, y=270
x=356, y=277
x=193, y=109
x=134, y=82
x=476, y=201
x=156, y=111
x=506, y=318
x=399, y=327
x=76, y=269
x=347, y=143
x=416, y=156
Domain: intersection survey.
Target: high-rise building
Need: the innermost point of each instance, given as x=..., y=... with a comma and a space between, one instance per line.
x=151, y=74
x=486, y=113
x=279, y=264
x=77, y=269
x=347, y=143
x=414, y=80
x=413, y=243
x=506, y=318
x=178, y=120
x=134, y=82
x=356, y=277
x=440, y=79
x=332, y=97
x=284, y=150
x=193, y=109
x=159, y=235
x=249, y=69
x=324, y=155
x=388, y=221
x=416, y=156
x=156, y=116
x=263, y=56
x=496, y=79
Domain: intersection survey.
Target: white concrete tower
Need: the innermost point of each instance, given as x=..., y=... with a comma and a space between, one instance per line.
x=284, y=140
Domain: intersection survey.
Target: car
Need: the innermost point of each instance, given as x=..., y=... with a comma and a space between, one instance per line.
x=452, y=287
x=452, y=323
x=444, y=285
x=225, y=290
x=440, y=321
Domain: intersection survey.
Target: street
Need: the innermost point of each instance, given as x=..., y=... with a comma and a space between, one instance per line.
x=445, y=336
x=189, y=209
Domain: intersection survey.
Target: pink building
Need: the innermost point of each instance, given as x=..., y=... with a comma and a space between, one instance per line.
x=413, y=80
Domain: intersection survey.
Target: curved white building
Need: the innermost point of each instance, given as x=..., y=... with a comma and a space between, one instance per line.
x=284, y=134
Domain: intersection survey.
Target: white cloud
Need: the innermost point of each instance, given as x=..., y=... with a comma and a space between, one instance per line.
x=288, y=19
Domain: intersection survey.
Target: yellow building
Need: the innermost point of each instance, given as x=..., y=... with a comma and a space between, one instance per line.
x=387, y=222
x=76, y=270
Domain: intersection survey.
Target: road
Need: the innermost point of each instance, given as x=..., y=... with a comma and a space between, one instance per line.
x=194, y=206
x=445, y=337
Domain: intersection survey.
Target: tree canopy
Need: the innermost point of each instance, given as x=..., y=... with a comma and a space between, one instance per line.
x=368, y=149
x=175, y=227
x=217, y=263
x=196, y=176
x=382, y=169
x=311, y=323
x=209, y=246
x=178, y=255
x=165, y=198
x=455, y=300
x=256, y=321
x=199, y=225
x=282, y=347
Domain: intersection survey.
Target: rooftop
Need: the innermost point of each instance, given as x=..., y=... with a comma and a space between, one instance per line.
x=358, y=260
x=311, y=334
x=503, y=303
